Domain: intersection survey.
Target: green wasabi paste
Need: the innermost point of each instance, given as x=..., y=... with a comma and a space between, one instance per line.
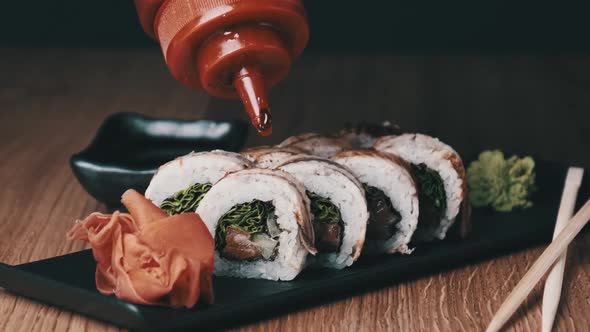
x=503, y=184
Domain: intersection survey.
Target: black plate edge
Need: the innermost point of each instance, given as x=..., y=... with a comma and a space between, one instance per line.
x=52, y=292
x=258, y=309
x=19, y=281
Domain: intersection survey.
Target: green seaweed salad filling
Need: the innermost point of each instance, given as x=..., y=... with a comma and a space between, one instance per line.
x=186, y=200
x=323, y=210
x=432, y=196
x=255, y=217
x=327, y=223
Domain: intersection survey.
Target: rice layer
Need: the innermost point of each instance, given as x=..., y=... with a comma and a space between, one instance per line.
x=393, y=178
x=292, y=212
x=427, y=150
x=330, y=180
x=201, y=167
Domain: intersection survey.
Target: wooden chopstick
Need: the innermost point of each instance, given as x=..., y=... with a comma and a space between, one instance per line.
x=552, y=291
x=539, y=268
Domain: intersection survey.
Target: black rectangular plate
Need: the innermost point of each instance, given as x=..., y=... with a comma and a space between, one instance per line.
x=68, y=281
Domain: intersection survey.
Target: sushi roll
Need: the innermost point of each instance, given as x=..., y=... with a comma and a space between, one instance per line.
x=260, y=220
x=316, y=144
x=270, y=156
x=392, y=199
x=338, y=207
x=440, y=176
x=364, y=135
x=179, y=185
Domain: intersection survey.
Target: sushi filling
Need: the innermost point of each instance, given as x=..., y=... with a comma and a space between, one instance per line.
x=383, y=217
x=431, y=194
x=186, y=200
x=327, y=223
x=248, y=231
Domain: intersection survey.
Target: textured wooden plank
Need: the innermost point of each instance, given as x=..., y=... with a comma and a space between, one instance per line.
x=52, y=100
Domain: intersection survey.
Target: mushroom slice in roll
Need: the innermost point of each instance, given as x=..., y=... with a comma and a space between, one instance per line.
x=338, y=207
x=440, y=177
x=316, y=144
x=270, y=156
x=178, y=186
x=391, y=196
x=260, y=221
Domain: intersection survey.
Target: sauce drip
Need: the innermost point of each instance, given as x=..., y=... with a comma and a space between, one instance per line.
x=265, y=122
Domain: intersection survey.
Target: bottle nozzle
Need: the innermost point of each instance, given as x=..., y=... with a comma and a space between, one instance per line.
x=251, y=88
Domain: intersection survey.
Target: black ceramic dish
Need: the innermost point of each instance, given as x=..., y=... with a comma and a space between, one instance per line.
x=129, y=147
x=68, y=281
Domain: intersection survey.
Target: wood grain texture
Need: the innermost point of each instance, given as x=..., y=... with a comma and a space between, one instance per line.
x=52, y=101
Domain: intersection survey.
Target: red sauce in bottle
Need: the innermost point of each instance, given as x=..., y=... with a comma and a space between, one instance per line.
x=229, y=48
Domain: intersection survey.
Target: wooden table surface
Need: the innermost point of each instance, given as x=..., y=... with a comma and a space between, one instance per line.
x=52, y=100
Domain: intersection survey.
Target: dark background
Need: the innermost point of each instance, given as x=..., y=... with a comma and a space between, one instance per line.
x=370, y=25
x=483, y=74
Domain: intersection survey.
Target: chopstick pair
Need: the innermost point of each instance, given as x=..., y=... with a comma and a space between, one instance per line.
x=562, y=237
x=553, y=284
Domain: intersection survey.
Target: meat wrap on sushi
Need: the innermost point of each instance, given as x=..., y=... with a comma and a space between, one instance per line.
x=270, y=156
x=391, y=195
x=338, y=209
x=179, y=185
x=440, y=176
x=261, y=225
x=364, y=135
x=316, y=144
